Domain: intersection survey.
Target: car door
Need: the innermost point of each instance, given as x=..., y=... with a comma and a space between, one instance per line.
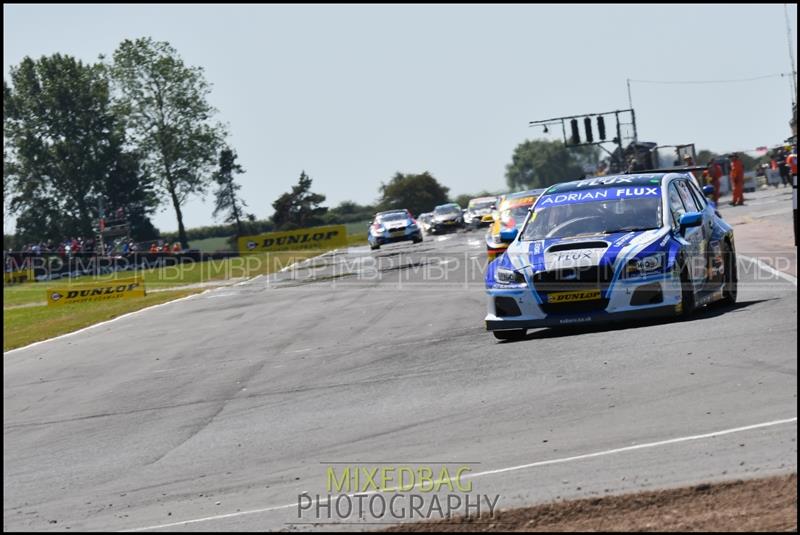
x=691, y=239
x=712, y=247
x=698, y=236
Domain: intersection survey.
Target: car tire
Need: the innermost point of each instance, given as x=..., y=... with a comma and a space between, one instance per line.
x=418, y=240
x=374, y=247
x=731, y=276
x=512, y=334
x=687, y=294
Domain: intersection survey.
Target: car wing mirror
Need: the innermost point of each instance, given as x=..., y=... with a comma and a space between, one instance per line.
x=708, y=190
x=688, y=220
x=508, y=235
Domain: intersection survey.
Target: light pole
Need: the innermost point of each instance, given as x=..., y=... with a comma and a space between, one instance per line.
x=791, y=55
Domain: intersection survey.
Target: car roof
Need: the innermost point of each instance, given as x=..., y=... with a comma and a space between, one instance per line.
x=400, y=211
x=608, y=181
x=526, y=193
x=448, y=204
x=486, y=198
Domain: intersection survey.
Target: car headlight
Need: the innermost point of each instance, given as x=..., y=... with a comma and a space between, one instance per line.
x=508, y=276
x=378, y=230
x=639, y=267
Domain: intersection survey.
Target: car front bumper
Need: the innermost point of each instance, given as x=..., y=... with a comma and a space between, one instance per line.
x=388, y=237
x=626, y=300
x=446, y=225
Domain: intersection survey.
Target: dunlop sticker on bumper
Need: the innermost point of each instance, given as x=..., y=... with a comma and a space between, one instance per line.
x=95, y=292
x=307, y=238
x=567, y=297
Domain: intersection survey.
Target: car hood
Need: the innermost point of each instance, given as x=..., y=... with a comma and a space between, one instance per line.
x=402, y=223
x=608, y=250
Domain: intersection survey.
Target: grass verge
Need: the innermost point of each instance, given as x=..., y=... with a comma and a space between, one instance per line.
x=23, y=326
x=27, y=318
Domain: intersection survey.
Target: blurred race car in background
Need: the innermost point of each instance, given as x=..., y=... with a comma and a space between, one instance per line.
x=425, y=221
x=479, y=212
x=511, y=213
x=393, y=226
x=612, y=248
x=447, y=217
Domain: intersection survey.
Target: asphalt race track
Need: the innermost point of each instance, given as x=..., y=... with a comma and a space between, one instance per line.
x=219, y=409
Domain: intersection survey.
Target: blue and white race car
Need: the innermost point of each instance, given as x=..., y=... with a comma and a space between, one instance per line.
x=391, y=227
x=608, y=248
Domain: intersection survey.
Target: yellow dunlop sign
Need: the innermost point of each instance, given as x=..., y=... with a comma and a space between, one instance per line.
x=95, y=292
x=306, y=238
x=566, y=297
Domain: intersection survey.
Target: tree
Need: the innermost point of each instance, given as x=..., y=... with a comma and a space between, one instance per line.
x=167, y=115
x=64, y=149
x=349, y=212
x=463, y=200
x=228, y=201
x=417, y=193
x=125, y=188
x=540, y=163
x=300, y=208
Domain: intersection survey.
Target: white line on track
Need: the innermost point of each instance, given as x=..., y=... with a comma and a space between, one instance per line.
x=248, y=281
x=770, y=269
x=94, y=325
x=508, y=469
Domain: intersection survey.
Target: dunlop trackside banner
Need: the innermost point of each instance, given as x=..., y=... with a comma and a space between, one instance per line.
x=95, y=292
x=305, y=238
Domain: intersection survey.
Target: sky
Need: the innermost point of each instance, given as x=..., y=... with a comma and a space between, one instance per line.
x=352, y=94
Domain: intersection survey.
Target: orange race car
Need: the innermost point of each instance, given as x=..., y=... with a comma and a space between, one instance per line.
x=511, y=212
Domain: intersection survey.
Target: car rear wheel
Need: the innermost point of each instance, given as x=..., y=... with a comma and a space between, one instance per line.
x=729, y=288
x=513, y=334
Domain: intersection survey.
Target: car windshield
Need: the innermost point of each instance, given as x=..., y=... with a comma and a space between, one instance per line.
x=514, y=217
x=596, y=217
x=482, y=205
x=445, y=210
x=397, y=216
